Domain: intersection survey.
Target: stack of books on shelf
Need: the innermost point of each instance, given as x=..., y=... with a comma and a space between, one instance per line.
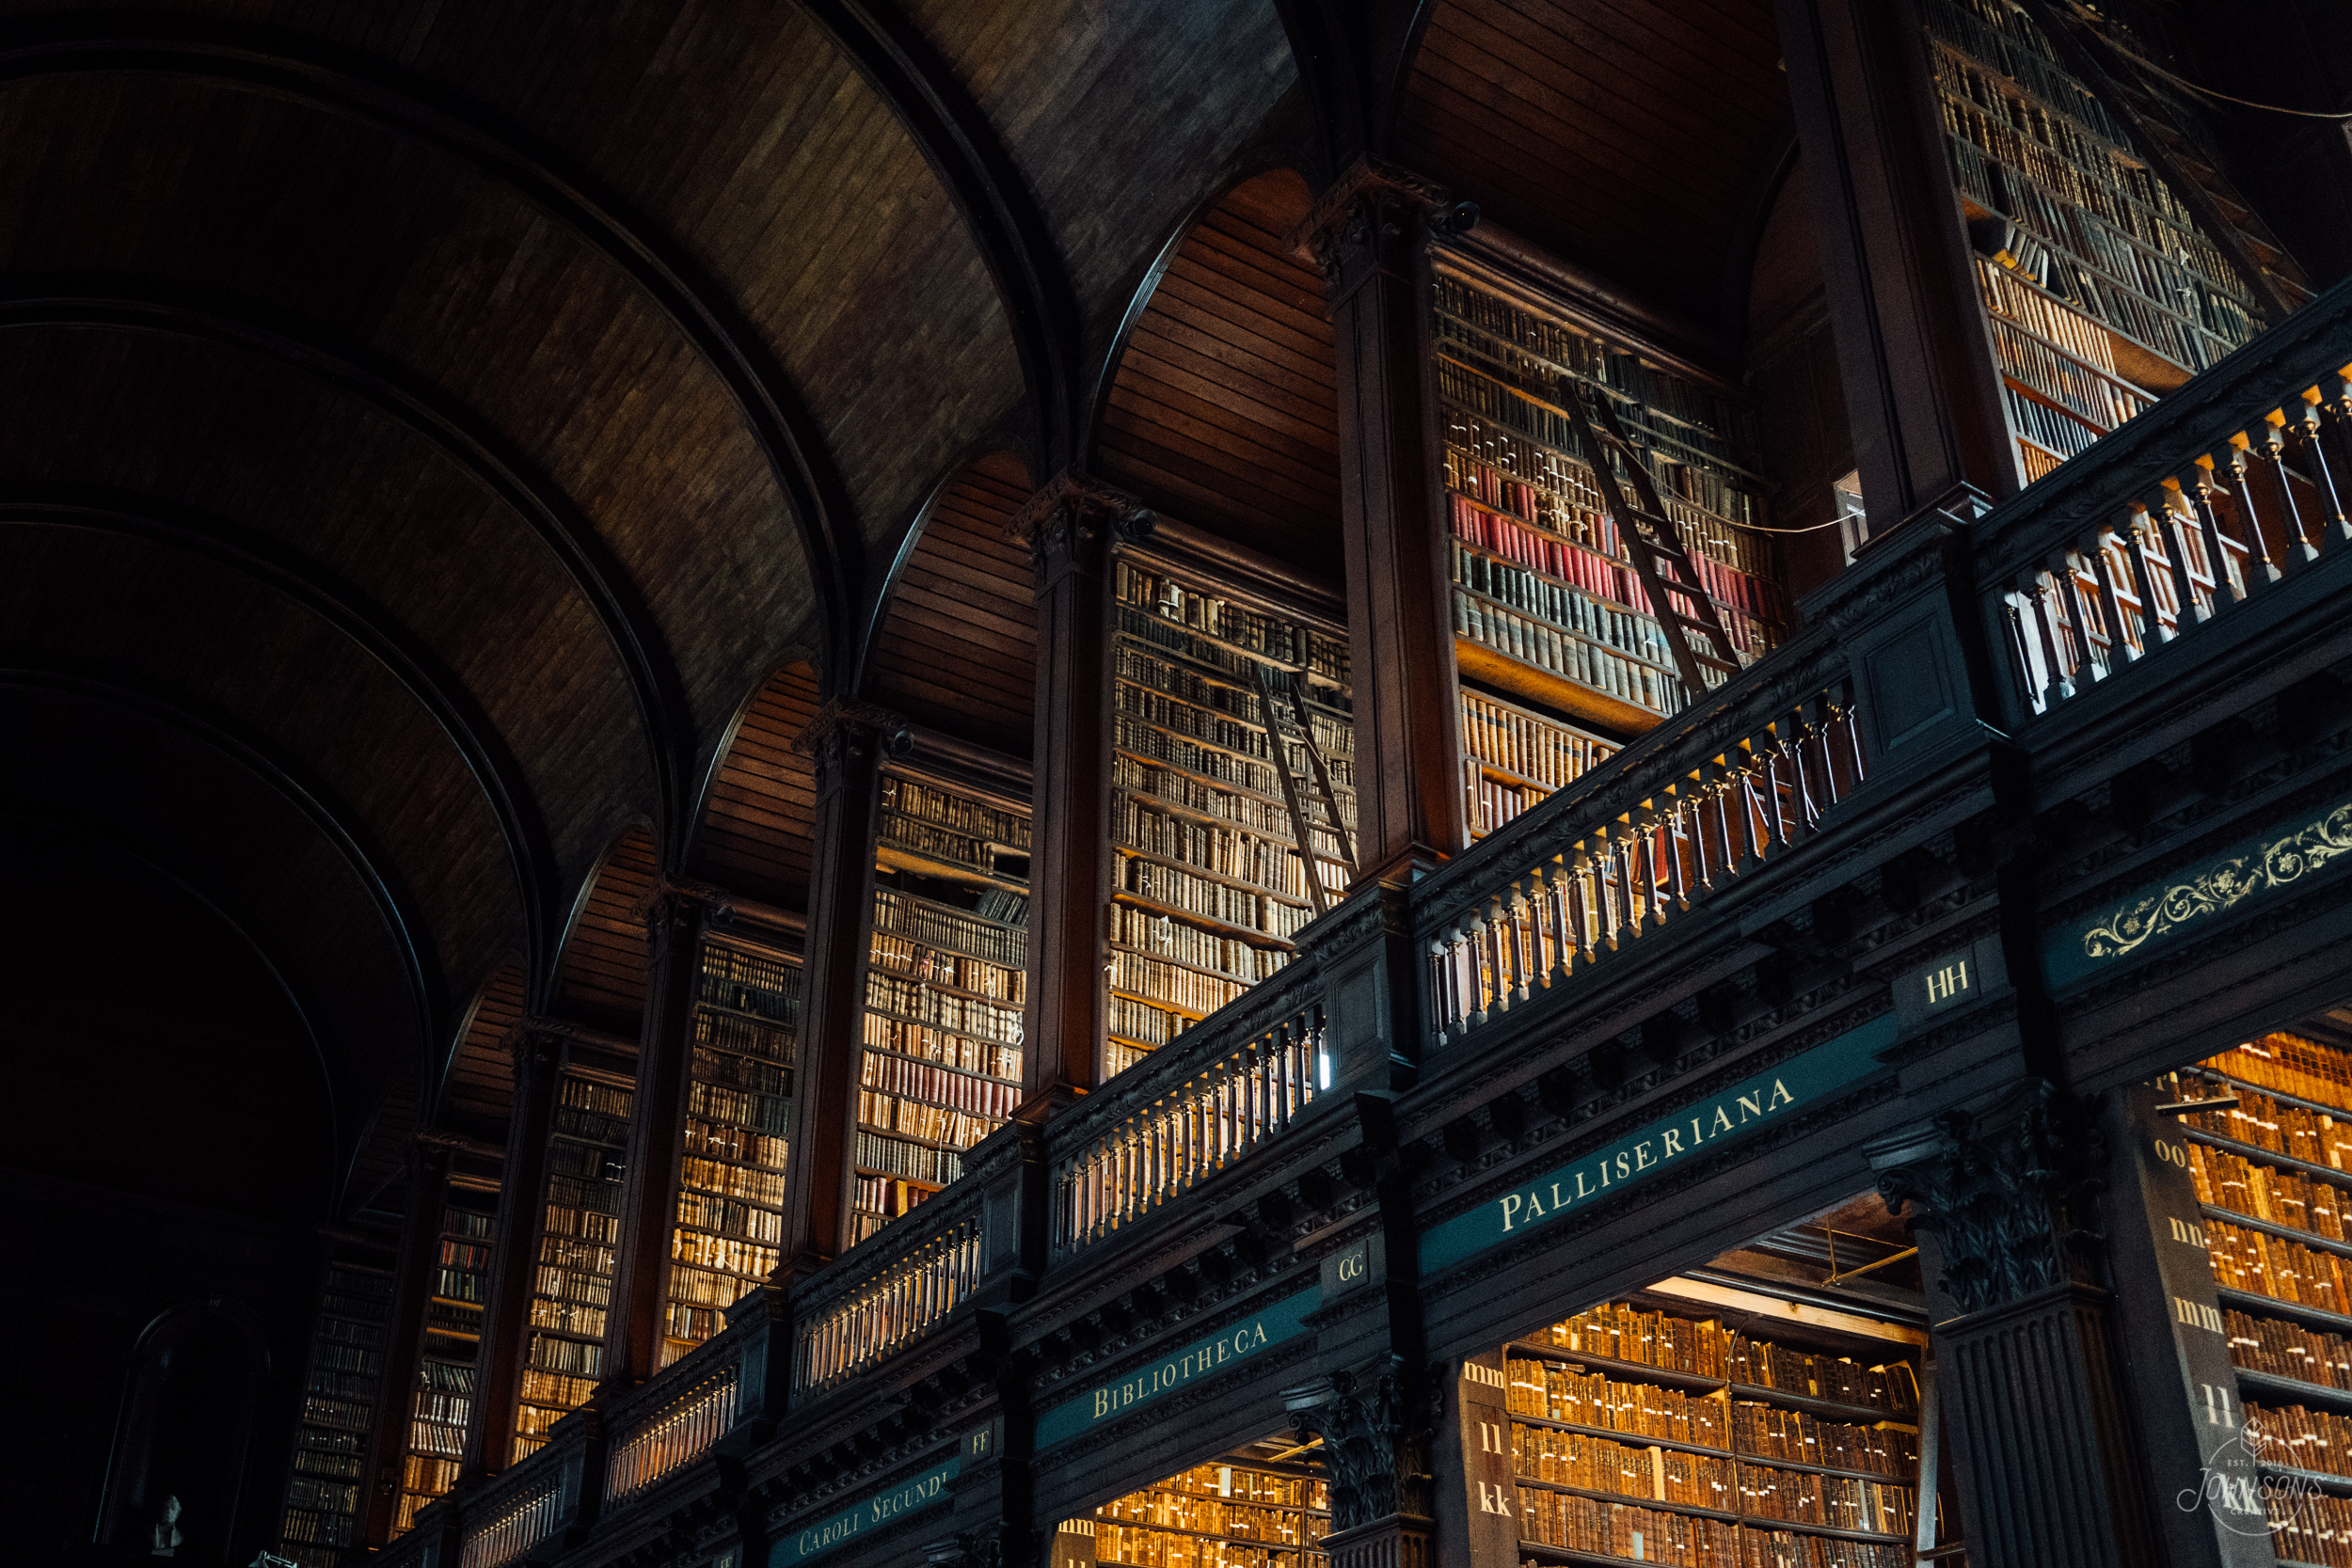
x=1219, y=1515
x=2273, y=1175
x=1548, y=605
x=341, y=1383
x=441, y=1402
x=2099, y=288
x=1648, y=1437
x=1210, y=881
x=944, y=983
x=572, y=1288
x=738, y=1114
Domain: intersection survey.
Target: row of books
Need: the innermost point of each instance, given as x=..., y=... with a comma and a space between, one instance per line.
x=1643, y=683
x=1703, y=1480
x=564, y=1285
x=753, y=1222
x=2101, y=400
x=1704, y=1347
x=725, y=1069
x=563, y=1392
x=728, y=1253
x=1654, y=395
x=934, y=925
x=961, y=1091
x=1238, y=625
x=554, y=1353
x=1228, y=904
x=1141, y=1023
x=718, y=1031
x=2307, y=1439
x=2316, y=1529
x=938, y=1124
x=1634, y=633
x=1152, y=670
x=1183, y=1511
x=935, y=1167
x=726, y=1179
x=1255, y=811
x=2262, y=1192
x=1141, y=931
x=749, y=982
x=1636, y=1534
x=943, y=966
x=323, y=1451
x=2009, y=297
x=2290, y=1064
x=2054, y=430
x=1558, y=1393
x=937, y=843
x=703, y=1291
x=767, y=1113
x=1228, y=852
x=917, y=1003
x=693, y=1323
x=577, y=1319
x=922, y=1041
x=347, y=1358
x=911, y=798
x=736, y=1144
x=1156, y=671
x=1170, y=984
x=585, y=1195
x=1491, y=804
x=2267, y=1265
x=1149, y=743
x=440, y=1407
x=2279, y=1126
x=568, y=1252
x=1599, y=568
x=339, y=1388
x=1542, y=751
x=1133, y=1547
x=2285, y=1349
x=1179, y=718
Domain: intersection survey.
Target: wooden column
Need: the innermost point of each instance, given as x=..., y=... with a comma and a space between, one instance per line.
x=2028, y=1358
x=848, y=741
x=537, y=1051
x=672, y=915
x=1921, y=388
x=1370, y=233
x=412, y=1293
x=1072, y=525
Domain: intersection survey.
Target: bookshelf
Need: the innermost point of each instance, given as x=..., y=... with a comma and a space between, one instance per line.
x=730, y=1204
x=440, y=1404
x=1641, y=1434
x=1260, y=1508
x=572, y=1288
x=2272, y=1181
x=1231, y=726
x=340, y=1385
x=1551, y=620
x=945, y=978
x=2099, y=289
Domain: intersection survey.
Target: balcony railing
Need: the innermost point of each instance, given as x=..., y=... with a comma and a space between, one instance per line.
x=673, y=1420
x=2223, y=494
x=1635, y=846
x=890, y=1290
x=1191, y=1108
x=523, y=1509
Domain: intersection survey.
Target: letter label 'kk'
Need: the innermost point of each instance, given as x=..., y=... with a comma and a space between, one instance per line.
x=1491, y=1500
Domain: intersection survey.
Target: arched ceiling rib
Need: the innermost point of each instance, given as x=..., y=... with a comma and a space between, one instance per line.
x=956, y=646
x=601, y=977
x=758, y=824
x=1223, y=410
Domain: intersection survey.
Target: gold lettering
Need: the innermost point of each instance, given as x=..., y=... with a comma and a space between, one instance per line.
x=1673, y=1141
x=1780, y=1097
x=1642, y=1160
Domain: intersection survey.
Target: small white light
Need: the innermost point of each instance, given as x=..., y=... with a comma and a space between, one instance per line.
x=1323, y=1070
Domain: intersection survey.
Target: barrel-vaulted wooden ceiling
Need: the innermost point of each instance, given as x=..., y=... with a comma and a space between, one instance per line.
x=449, y=451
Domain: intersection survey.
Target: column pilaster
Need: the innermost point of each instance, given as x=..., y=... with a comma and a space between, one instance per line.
x=412, y=1290
x=537, y=1049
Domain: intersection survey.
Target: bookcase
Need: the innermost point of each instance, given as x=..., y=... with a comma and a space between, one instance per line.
x=1262, y=1508
x=945, y=982
x=1647, y=1435
x=2273, y=1182
x=440, y=1404
x=1549, y=608
x=730, y=1187
x=572, y=1288
x=2099, y=289
x=1231, y=741
x=340, y=1385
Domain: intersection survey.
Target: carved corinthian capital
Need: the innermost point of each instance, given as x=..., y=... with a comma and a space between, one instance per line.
x=2003, y=1192
x=1376, y=217
x=845, y=733
x=1375, y=1443
x=1073, y=519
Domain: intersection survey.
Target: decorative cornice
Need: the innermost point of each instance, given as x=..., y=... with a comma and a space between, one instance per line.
x=1376, y=1434
x=1072, y=513
x=845, y=732
x=1376, y=217
x=674, y=901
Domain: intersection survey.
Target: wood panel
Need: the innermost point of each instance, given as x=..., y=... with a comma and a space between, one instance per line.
x=1634, y=136
x=958, y=647
x=479, y=1087
x=1223, y=411
x=758, y=824
x=601, y=979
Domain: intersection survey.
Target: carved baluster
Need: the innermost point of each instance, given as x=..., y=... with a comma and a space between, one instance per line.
x=2108, y=605
x=2143, y=555
x=2307, y=427
x=2233, y=501
x=2272, y=490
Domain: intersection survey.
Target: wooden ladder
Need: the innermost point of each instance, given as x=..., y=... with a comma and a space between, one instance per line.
x=1655, y=547
x=1283, y=696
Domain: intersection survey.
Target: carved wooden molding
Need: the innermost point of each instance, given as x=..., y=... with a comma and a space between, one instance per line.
x=1374, y=217
x=1070, y=514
